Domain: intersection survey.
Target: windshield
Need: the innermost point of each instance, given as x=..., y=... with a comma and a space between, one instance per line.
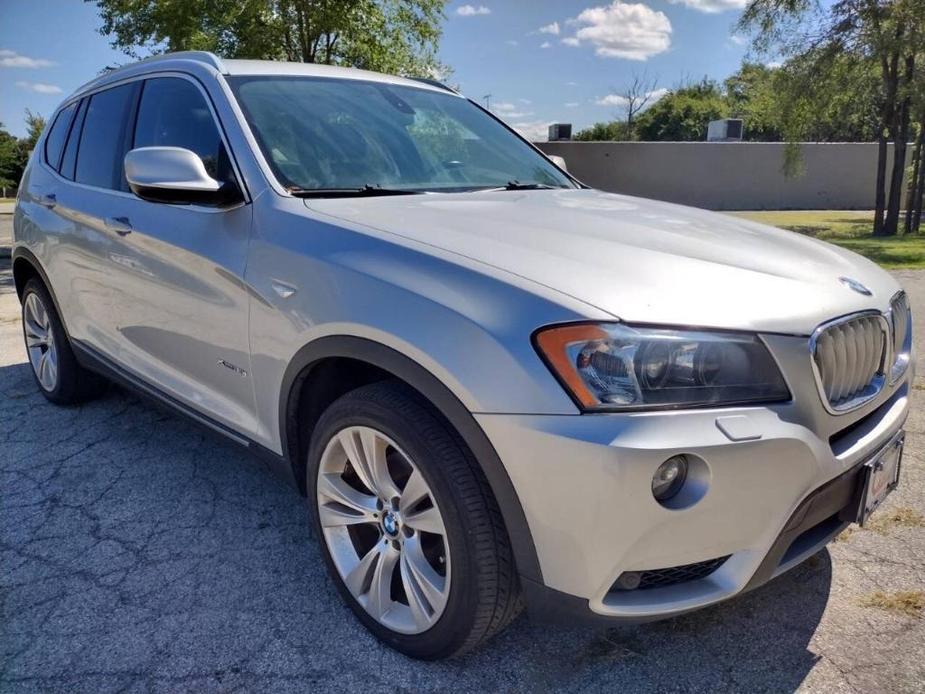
x=342, y=134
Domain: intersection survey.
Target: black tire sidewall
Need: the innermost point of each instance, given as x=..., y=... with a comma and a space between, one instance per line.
x=454, y=625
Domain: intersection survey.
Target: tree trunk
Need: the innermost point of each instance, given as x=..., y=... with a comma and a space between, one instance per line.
x=914, y=181
x=918, y=199
x=900, y=145
x=889, y=70
x=880, y=197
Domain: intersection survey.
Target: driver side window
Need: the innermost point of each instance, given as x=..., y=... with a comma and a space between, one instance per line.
x=174, y=113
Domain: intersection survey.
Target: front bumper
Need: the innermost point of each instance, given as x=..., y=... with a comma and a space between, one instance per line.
x=780, y=484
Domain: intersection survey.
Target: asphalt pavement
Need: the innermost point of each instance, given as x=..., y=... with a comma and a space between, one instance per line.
x=139, y=552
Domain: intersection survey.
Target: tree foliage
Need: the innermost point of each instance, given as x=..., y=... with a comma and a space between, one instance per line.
x=614, y=130
x=14, y=151
x=791, y=102
x=682, y=115
x=11, y=163
x=398, y=36
x=869, y=51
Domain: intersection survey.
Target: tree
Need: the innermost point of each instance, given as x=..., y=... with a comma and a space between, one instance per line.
x=603, y=132
x=10, y=160
x=682, y=115
x=864, y=37
x=752, y=96
x=398, y=36
x=634, y=98
x=14, y=152
x=35, y=124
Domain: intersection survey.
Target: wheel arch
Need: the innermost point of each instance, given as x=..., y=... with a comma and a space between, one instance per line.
x=26, y=266
x=377, y=362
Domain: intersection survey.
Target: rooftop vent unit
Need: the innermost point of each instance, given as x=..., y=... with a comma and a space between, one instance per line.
x=725, y=130
x=560, y=131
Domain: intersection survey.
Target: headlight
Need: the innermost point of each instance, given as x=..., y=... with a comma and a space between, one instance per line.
x=612, y=366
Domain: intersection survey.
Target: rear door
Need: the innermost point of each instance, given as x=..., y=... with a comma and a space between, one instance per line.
x=84, y=196
x=179, y=300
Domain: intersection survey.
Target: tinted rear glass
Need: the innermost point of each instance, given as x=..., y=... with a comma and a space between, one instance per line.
x=69, y=160
x=102, y=142
x=54, y=143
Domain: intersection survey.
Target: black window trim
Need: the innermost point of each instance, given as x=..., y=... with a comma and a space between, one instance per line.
x=77, y=126
x=67, y=135
x=239, y=177
x=121, y=151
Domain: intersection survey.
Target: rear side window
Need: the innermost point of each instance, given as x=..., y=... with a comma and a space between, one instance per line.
x=54, y=143
x=69, y=160
x=103, y=140
x=174, y=113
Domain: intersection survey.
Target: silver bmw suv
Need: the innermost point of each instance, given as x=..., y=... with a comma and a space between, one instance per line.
x=495, y=385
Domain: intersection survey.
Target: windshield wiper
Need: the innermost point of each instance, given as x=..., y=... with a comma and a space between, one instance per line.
x=517, y=185
x=363, y=192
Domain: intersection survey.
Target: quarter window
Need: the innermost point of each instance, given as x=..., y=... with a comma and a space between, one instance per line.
x=69, y=160
x=54, y=143
x=174, y=113
x=102, y=142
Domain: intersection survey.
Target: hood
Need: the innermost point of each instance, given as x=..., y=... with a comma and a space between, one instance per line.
x=640, y=260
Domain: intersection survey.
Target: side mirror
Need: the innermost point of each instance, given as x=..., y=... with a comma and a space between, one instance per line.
x=558, y=161
x=176, y=176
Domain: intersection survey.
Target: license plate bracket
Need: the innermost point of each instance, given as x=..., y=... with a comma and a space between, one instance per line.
x=879, y=477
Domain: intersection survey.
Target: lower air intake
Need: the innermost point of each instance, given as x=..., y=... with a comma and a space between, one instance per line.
x=659, y=578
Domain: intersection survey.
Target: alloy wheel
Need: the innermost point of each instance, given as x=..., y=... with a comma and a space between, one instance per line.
x=40, y=342
x=383, y=529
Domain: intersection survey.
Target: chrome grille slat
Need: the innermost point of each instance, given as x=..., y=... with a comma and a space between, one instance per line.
x=899, y=308
x=900, y=322
x=850, y=357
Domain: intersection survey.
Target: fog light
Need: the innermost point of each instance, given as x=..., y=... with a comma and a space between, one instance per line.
x=629, y=580
x=669, y=478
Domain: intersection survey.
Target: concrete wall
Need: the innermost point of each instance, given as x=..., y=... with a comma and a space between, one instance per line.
x=727, y=175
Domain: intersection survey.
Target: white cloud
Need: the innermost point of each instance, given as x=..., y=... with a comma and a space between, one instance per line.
x=711, y=6
x=571, y=84
x=620, y=101
x=545, y=44
x=617, y=100
x=525, y=101
x=512, y=42
x=738, y=40
x=572, y=104
x=508, y=110
x=550, y=29
x=774, y=64
x=40, y=87
x=10, y=58
x=472, y=11
x=622, y=30
x=535, y=131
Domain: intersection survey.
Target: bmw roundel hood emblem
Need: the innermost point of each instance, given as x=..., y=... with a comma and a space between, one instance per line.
x=855, y=285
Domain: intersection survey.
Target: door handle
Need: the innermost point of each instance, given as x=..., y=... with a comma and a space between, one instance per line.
x=120, y=225
x=48, y=200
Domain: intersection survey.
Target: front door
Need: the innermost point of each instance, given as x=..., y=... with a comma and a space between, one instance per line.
x=179, y=301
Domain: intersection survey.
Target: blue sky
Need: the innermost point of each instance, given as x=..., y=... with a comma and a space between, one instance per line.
x=541, y=60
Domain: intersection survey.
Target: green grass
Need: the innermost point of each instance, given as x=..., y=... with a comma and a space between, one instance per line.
x=851, y=230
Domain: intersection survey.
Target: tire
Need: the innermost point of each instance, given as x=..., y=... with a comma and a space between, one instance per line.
x=54, y=367
x=480, y=590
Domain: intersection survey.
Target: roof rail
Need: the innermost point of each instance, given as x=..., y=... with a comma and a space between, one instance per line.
x=434, y=83
x=110, y=74
x=199, y=56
